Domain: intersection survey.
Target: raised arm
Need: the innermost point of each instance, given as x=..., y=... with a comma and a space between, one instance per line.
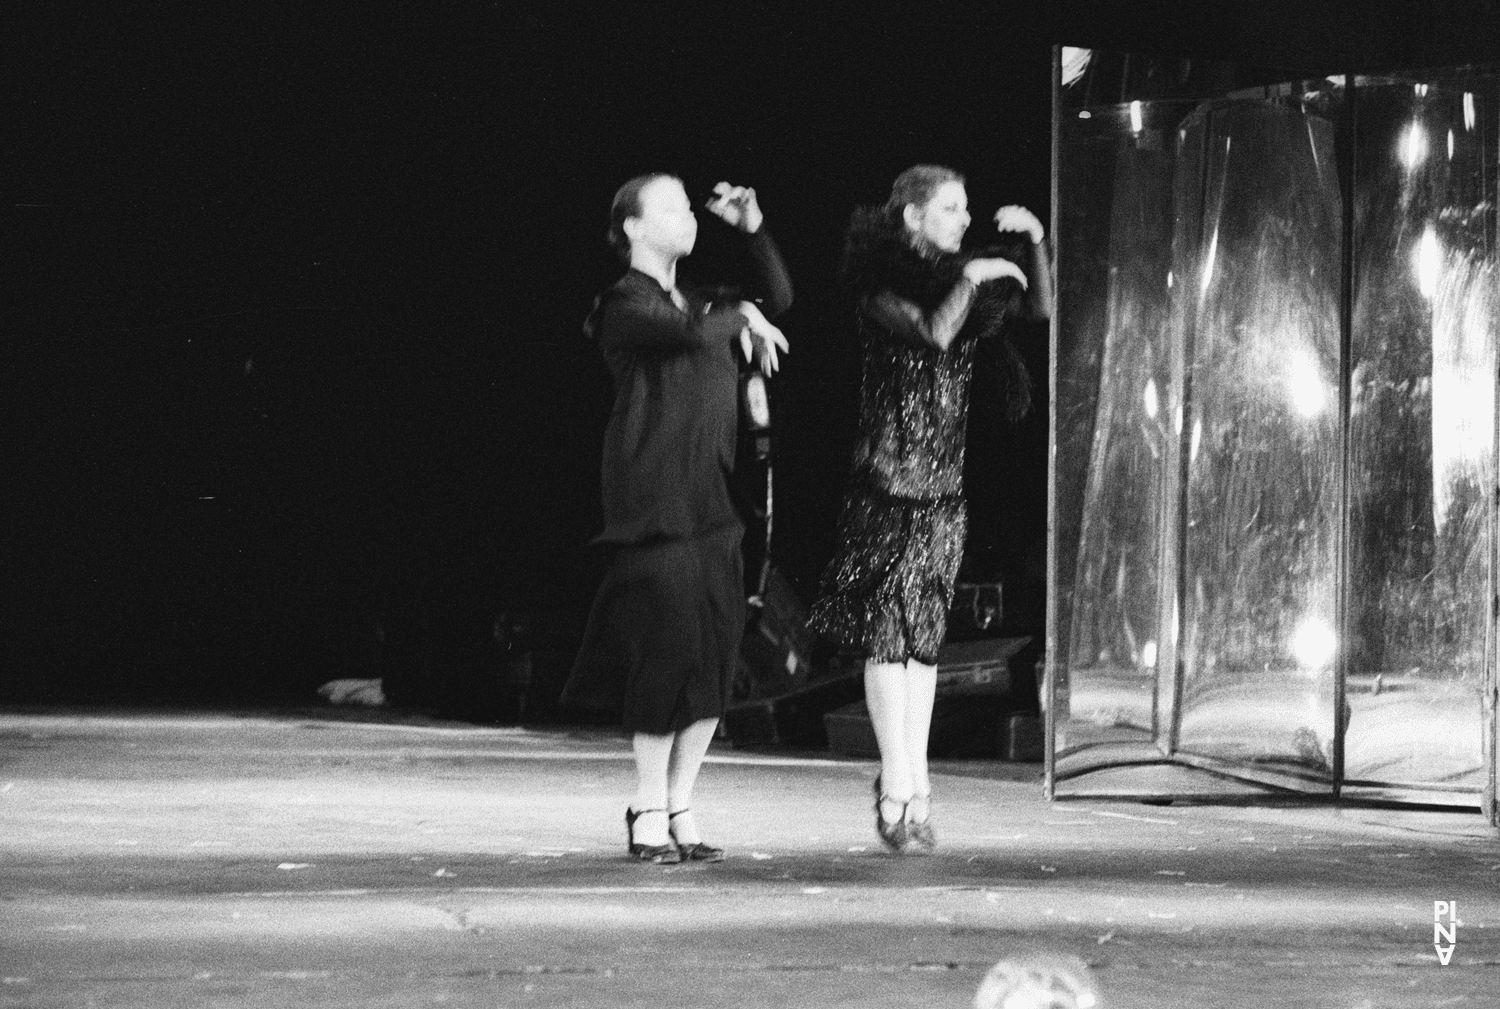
x=738, y=207
x=1038, y=264
x=1039, y=272
x=773, y=281
x=631, y=317
x=939, y=328
x=905, y=321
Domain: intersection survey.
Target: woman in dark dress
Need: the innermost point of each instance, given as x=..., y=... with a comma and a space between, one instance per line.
x=664, y=631
x=922, y=306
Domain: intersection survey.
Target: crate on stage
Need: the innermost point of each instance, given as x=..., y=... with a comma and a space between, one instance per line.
x=791, y=719
x=978, y=667
x=972, y=725
x=970, y=712
x=776, y=652
x=1025, y=738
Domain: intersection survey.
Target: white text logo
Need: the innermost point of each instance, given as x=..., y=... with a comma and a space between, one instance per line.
x=1444, y=910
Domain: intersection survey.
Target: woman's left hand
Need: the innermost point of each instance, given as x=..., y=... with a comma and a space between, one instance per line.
x=759, y=328
x=736, y=206
x=1016, y=218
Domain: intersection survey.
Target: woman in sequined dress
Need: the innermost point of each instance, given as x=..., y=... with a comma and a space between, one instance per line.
x=922, y=305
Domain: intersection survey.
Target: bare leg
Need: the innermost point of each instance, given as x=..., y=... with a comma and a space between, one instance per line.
x=652, y=754
x=885, y=696
x=921, y=688
x=689, y=746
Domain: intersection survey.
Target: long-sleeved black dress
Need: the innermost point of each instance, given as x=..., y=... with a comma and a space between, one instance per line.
x=665, y=627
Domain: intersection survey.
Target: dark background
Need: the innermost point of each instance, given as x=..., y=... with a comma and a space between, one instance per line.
x=293, y=348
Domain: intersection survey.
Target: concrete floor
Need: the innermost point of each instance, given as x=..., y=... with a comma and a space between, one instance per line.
x=229, y=860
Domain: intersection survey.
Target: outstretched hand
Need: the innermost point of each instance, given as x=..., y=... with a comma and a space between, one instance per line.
x=759, y=328
x=737, y=207
x=1017, y=218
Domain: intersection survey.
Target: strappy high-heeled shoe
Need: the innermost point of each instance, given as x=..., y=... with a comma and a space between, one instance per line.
x=696, y=851
x=895, y=834
x=661, y=854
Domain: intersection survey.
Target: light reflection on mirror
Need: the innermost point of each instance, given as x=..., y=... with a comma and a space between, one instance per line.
x=1151, y=404
x=1309, y=393
x=1413, y=147
x=1463, y=389
x=1208, y=262
x=1429, y=260
x=1148, y=655
x=1314, y=644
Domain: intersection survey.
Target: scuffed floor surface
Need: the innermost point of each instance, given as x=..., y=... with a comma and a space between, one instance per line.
x=225, y=860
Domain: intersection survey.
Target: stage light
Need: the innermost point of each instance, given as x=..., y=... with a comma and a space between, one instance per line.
x=1148, y=655
x=1135, y=117
x=1469, y=116
x=1151, y=403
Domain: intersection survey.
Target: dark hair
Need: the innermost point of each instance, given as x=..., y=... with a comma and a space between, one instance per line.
x=627, y=204
x=917, y=185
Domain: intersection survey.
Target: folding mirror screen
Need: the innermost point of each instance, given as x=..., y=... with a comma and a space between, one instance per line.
x=1273, y=489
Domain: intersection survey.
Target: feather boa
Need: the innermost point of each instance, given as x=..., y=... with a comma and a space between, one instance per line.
x=878, y=256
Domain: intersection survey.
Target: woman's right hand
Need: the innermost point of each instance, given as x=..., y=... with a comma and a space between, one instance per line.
x=759, y=328
x=977, y=271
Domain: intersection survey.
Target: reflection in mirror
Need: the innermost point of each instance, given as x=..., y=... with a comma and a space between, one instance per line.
x=1264, y=455
x=1114, y=422
x=1422, y=433
x=1112, y=645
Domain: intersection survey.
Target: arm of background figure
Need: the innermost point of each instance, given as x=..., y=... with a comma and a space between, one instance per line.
x=909, y=324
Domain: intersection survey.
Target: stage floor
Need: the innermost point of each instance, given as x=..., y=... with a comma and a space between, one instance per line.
x=218, y=859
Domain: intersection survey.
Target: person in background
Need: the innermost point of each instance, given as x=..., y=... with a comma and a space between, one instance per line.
x=664, y=630
x=922, y=304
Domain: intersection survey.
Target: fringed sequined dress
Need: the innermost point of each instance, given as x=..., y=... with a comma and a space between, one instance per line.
x=900, y=535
